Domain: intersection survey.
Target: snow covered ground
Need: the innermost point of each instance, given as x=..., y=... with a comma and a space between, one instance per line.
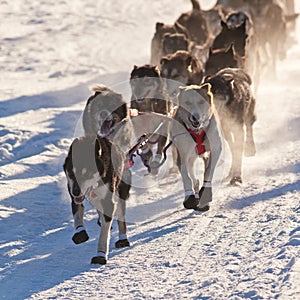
x=246, y=247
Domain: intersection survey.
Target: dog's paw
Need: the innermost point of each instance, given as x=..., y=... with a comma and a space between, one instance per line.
x=202, y=209
x=236, y=180
x=205, y=196
x=190, y=202
x=80, y=236
x=122, y=243
x=99, y=260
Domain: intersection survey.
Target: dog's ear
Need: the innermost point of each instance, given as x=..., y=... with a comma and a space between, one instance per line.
x=188, y=60
x=206, y=78
x=124, y=111
x=206, y=87
x=159, y=25
x=156, y=70
x=224, y=24
x=163, y=60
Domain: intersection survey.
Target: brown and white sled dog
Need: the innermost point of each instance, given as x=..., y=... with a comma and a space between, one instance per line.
x=235, y=104
x=106, y=114
x=93, y=168
x=195, y=133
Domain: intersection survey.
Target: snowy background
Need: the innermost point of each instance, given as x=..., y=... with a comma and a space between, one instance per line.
x=246, y=247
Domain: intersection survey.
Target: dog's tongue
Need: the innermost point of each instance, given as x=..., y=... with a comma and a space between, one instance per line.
x=78, y=200
x=106, y=127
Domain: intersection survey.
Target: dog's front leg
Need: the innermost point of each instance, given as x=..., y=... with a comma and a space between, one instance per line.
x=106, y=219
x=80, y=235
x=213, y=143
x=103, y=242
x=190, y=202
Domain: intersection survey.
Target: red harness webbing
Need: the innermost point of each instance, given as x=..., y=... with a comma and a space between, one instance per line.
x=198, y=138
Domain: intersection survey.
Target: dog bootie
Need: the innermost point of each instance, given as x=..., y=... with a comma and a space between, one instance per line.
x=122, y=243
x=100, y=259
x=80, y=235
x=205, y=196
x=190, y=202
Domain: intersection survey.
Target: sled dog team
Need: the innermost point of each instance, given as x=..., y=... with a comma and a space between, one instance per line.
x=196, y=91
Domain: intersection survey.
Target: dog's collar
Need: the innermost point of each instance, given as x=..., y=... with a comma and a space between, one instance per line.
x=198, y=137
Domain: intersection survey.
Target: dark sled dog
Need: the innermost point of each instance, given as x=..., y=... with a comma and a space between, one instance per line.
x=94, y=168
x=161, y=30
x=220, y=59
x=149, y=95
x=106, y=114
x=195, y=133
x=236, y=107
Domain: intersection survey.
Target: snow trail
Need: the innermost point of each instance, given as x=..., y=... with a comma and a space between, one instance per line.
x=246, y=247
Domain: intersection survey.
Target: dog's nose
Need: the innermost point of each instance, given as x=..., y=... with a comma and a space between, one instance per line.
x=195, y=117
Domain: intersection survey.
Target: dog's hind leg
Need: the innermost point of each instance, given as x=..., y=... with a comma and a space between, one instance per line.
x=103, y=242
x=123, y=190
x=80, y=235
x=237, y=153
x=174, y=168
x=250, y=149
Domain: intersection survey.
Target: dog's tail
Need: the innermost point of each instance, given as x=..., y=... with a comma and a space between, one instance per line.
x=196, y=4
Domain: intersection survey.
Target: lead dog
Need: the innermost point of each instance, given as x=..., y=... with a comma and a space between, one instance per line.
x=94, y=168
x=236, y=107
x=195, y=133
x=106, y=114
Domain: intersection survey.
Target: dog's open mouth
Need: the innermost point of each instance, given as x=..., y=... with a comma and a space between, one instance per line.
x=106, y=126
x=194, y=122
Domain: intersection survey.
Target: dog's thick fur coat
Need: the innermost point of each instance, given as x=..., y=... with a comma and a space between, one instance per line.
x=149, y=95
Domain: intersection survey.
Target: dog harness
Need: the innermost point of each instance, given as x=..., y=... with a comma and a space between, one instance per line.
x=198, y=137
